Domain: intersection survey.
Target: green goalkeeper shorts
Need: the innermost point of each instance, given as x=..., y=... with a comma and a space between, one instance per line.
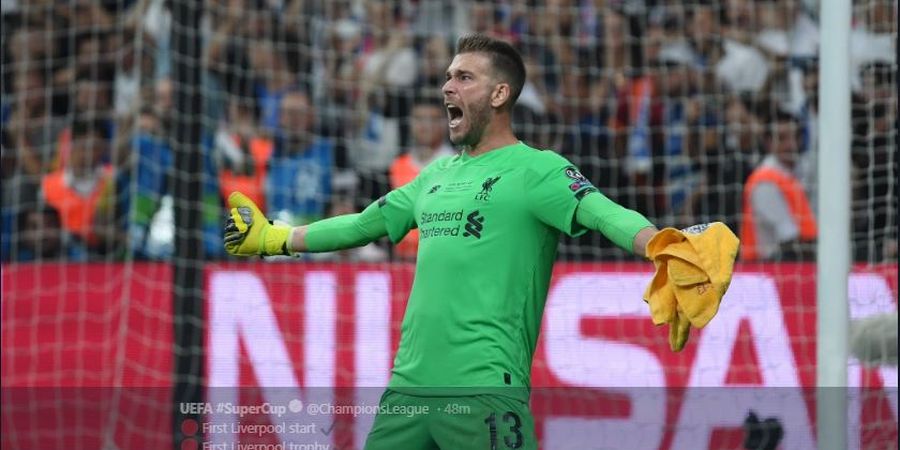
x=488, y=422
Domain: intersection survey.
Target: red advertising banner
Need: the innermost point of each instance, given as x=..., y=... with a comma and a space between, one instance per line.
x=87, y=357
x=603, y=375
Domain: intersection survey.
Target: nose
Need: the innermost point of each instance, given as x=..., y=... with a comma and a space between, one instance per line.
x=448, y=87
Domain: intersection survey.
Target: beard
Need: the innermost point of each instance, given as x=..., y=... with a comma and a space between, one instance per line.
x=479, y=115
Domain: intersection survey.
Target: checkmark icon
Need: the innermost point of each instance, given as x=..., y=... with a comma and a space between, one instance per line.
x=328, y=431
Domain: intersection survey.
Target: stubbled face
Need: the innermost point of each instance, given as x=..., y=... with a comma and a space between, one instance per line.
x=741, y=124
x=467, y=97
x=785, y=145
x=87, y=152
x=296, y=114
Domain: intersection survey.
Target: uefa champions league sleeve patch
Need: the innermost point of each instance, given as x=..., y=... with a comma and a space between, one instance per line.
x=579, y=182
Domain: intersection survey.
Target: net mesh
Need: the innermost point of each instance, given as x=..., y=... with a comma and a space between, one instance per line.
x=317, y=108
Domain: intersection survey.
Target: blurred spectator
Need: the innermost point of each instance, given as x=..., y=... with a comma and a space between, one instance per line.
x=308, y=99
x=230, y=25
x=582, y=108
x=776, y=20
x=41, y=237
x=530, y=113
x=725, y=164
x=273, y=77
x=807, y=114
x=93, y=95
x=34, y=45
x=388, y=64
x=151, y=231
x=670, y=16
x=134, y=68
x=704, y=33
x=86, y=14
x=743, y=67
x=874, y=155
x=873, y=37
x=241, y=151
x=429, y=143
x=8, y=209
x=434, y=58
x=637, y=123
x=31, y=131
x=677, y=139
x=548, y=42
x=154, y=19
x=778, y=221
x=336, y=93
x=83, y=190
x=428, y=123
x=298, y=185
x=488, y=17
x=744, y=127
x=93, y=100
x=92, y=58
x=439, y=18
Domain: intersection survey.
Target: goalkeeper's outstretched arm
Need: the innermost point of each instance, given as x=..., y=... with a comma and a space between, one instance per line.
x=248, y=232
x=340, y=232
x=626, y=228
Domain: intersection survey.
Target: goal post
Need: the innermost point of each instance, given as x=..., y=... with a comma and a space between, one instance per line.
x=833, y=255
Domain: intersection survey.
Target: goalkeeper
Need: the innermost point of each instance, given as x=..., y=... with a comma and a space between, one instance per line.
x=489, y=221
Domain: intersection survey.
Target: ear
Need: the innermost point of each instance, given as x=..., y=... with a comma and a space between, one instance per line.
x=500, y=95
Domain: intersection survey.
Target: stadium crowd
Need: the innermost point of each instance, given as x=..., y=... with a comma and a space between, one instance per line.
x=688, y=111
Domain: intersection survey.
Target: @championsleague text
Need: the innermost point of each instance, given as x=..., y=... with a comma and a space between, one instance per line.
x=325, y=409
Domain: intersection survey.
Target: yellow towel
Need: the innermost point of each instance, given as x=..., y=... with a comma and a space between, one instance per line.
x=693, y=271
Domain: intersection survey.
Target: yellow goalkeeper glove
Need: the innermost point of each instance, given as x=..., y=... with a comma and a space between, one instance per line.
x=249, y=233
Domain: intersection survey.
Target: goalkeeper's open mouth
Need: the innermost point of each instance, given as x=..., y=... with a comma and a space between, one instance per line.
x=454, y=115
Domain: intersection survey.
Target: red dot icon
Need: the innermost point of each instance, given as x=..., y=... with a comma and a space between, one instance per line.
x=189, y=444
x=189, y=427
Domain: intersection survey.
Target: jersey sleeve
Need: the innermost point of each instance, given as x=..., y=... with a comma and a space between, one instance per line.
x=555, y=187
x=398, y=209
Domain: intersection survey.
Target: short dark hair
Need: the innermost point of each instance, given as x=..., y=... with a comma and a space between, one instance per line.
x=45, y=210
x=779, y=117
x=85, y=126
x=504, y=58
x=102, y=73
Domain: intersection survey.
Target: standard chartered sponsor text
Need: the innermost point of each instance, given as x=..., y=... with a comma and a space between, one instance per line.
x=440, y=216
x=327, y=409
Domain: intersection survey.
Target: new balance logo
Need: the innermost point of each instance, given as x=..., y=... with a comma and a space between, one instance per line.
x=434, y=189
x=486, y=188
x=474, y=224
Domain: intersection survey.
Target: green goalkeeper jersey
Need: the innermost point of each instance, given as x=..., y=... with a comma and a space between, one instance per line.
x=489, y=227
